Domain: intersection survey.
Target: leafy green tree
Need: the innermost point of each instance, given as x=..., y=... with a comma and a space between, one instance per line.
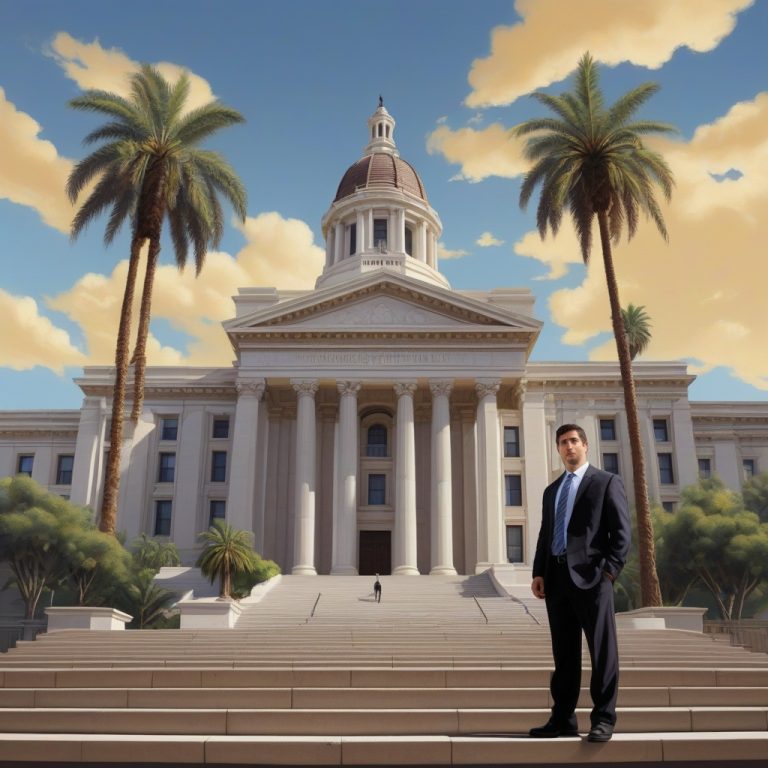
x=637, y=325
x=755, y=493
x=591, y=160
x=715, y=540
x=154, y=554
x=147, y=168
x=261, y=570
x=96, y=563
x=226, y=552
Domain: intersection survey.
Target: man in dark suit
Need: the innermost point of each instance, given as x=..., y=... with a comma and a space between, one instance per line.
x=582, y=547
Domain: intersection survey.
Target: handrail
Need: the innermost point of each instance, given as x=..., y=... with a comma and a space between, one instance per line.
x=525, y=608
x=477, y=603
x=311, y=615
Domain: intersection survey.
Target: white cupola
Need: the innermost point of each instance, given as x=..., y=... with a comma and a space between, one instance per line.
x=380, y=218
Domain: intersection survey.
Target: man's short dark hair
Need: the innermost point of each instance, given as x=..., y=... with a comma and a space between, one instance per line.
x=570, y=428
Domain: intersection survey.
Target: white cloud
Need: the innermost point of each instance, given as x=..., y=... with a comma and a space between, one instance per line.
x=278, y=252
x=32, y=173
x=545, y=45
x=487, y=240
x=445, y=253
x=31, y=339
x=109, y=69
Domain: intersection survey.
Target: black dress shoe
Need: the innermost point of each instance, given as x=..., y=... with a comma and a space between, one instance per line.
x=600, y=732
x=552, y=730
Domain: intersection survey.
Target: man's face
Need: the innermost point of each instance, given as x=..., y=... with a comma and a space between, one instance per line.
x=572, y=449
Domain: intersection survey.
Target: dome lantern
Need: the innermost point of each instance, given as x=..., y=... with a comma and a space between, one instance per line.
x=381, y=130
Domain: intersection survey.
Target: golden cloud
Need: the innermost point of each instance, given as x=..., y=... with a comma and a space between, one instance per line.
x=492, y=151
x=109, y=69
x=31, y=339
x=446, y=253
x=278, y=252
x=487, y=240
x=544, y=47
x=32, y=173
x=703, y=290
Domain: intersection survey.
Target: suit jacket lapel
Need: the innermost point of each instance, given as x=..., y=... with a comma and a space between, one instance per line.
x=585, y=481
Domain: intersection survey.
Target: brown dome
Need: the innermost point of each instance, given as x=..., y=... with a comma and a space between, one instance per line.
x=380, y=170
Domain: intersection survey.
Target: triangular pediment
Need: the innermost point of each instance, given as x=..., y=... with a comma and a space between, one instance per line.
x=390, y=303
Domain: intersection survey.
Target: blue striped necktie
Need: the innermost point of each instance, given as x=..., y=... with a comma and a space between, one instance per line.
x=558, y=539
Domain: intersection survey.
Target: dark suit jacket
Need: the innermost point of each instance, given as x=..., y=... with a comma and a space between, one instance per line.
x=599, y=531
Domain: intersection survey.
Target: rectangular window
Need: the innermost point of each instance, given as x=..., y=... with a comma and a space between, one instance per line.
x=666, y=473
x=352, y=239
x=218, y=510
x=377, y=489
x=167, y=468
x=661, y=430
x=513, y=491
x=221, y=427
x=409, y=241
x=218, y=466
x=25, y=464
x=750, y=468
x=705, y=469
x=668, y=506
x=611, y=463
x=64, y=470
x=511, y=441
x=607, y=429
x=515, y=544
x=169, y=428
x=379, y=233
x=163, y=517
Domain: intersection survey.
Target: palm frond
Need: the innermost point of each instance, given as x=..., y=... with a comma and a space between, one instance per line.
x=627, y=104
x=203, y=121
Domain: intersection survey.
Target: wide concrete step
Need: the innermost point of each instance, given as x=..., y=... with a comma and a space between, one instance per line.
x=363, y=722
x=374, y=677
x=651, y=748
x=365, y=698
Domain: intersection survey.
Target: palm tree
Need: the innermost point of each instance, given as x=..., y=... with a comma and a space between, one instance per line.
x=637, y=326
x=226, y=552
x=592, y=160
x=149, y=167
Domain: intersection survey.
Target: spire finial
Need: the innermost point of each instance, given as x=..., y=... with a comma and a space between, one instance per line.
x=381, y=100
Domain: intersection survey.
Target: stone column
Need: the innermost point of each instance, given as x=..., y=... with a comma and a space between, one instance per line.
x=537, y=466
x=304, y=541
x=441, y=496
x=400, y=230
x=369, y=230
x=89, y=451
x=489, y=501
x=338, y=243
x=360, y=234
x=345, y=518
x=404, y=556
x=421, y=251
x=242, y=483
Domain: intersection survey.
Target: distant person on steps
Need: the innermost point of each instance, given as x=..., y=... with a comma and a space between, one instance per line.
x=377, y=589
x=582, y=547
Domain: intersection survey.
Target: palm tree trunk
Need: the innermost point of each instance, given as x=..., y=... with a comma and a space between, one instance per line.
x=139, y=358
x=107, y=522
x=650, y=592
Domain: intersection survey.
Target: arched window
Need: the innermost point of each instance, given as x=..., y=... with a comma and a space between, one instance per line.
x=376, y=444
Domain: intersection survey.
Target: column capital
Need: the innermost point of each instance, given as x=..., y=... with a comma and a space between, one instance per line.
x=250, y=388
x=487, y=387
x=348, y=387
x=405, y=388
x=440, y=387
x=305, y=387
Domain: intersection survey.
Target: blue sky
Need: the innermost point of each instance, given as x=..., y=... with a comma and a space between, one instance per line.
x=306, y=75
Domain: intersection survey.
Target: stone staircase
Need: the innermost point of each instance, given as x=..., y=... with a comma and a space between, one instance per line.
x=442, y=672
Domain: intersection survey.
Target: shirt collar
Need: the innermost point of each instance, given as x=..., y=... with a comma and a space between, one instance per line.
x=580, y=471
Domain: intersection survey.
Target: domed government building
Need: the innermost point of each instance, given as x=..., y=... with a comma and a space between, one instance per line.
x=382, y=422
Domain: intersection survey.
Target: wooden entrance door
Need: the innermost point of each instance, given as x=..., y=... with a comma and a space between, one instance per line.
x=375, y=553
